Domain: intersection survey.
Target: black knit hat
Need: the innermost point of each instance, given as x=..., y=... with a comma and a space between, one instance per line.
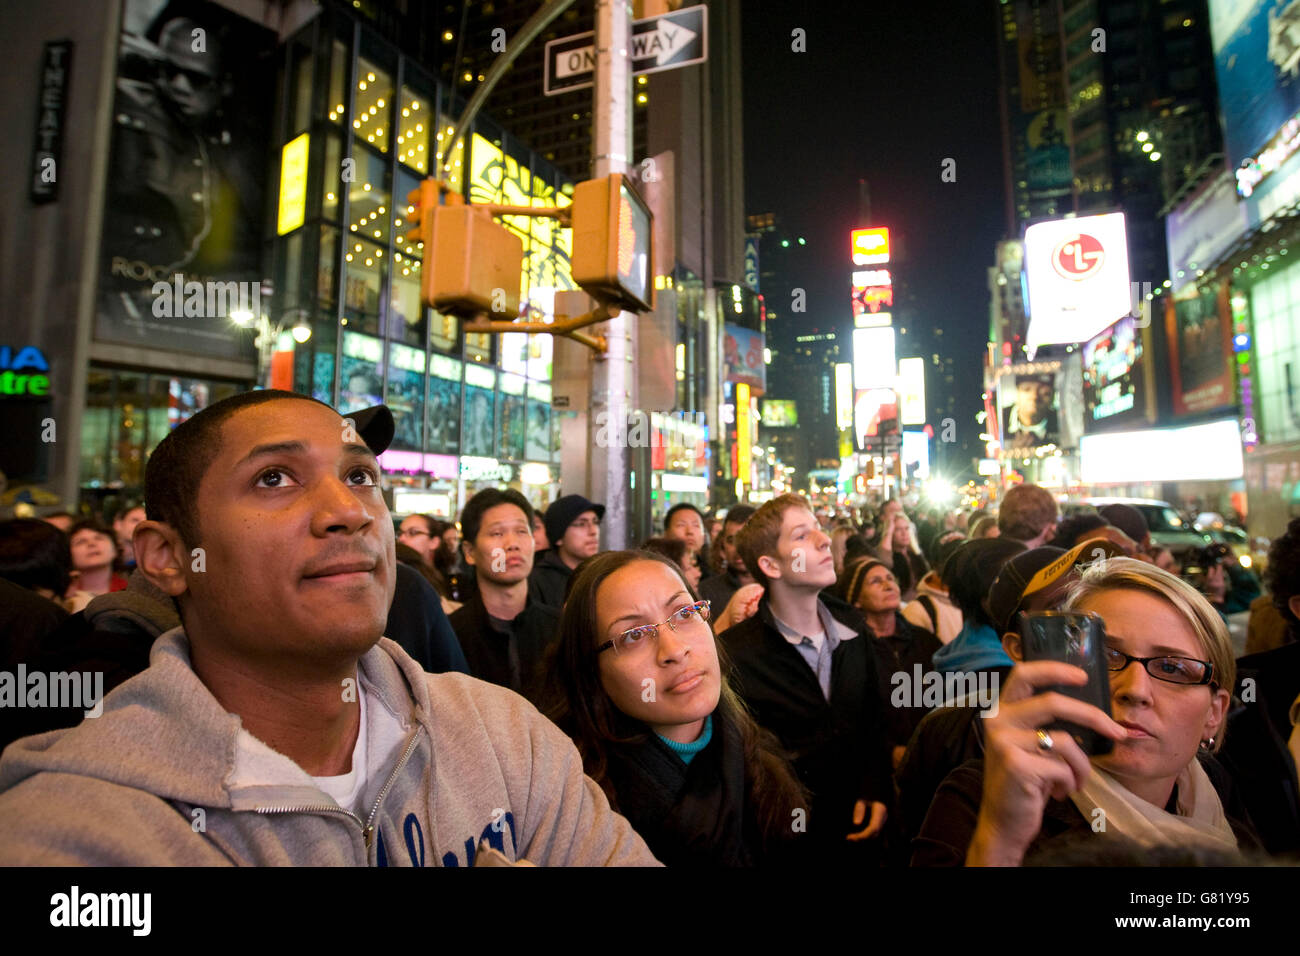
x=563, y=512
x=971, y=570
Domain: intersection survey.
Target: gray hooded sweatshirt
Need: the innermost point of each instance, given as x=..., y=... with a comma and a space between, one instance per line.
x=167, y=777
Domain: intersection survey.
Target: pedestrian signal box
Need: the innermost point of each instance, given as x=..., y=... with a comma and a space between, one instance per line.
x=612, y=243
x=471, y=263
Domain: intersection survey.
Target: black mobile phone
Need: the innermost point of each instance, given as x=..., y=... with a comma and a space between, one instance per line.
x=1078, y=639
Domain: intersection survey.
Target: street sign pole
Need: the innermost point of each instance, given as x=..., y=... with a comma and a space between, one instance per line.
x=613, y=383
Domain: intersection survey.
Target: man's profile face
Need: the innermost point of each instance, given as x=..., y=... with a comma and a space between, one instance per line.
x=1033, y=400
x=297, y=541
x=730, y=552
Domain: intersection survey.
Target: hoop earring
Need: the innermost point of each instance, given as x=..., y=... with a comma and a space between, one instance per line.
x=1207, y=745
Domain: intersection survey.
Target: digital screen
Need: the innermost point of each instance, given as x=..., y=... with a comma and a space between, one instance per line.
x=1078, y=278
x=1112, y=374
x=779, y=413
x=870, y=246
x=1195, y=453
x=873, y=358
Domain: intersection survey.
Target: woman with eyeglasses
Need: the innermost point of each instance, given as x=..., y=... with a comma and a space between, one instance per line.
x=644, y=697
x=1159, y=792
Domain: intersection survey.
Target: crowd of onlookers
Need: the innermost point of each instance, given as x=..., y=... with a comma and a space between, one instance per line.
x=753, y=685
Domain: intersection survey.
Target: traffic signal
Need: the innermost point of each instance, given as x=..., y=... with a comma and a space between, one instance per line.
x=612, y=242
x=471, y=265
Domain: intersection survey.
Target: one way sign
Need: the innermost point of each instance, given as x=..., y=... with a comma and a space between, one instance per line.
x=659, y=43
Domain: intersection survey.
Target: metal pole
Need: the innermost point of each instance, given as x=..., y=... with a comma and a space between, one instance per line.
x=613, y=385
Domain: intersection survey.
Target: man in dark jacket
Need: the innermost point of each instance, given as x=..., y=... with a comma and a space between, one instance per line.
x=805, y=667
x=504, y=631
x=573, y=528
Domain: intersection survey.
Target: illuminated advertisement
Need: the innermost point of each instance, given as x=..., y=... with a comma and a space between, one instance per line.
x=872, y=320
x=843, y=395
x=1257, y=58
x=870, y=246
x=779, y=413
x=1028, y=410
x=743, y=356
x=743, y=427
x=187, y=172
x=1115, y=376
x=874, y=365
x=1202, y=228
x=916, y=455
x=1209, y=452
x=1078, y=278
x=1200, y=350
x=872, y=298
x=911, y=391
x=875, y=411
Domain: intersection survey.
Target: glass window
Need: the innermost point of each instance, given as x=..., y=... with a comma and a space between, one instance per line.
x=443, y=332
x=126, y=462
x=368, y=196
x=374, y=105
x=362, y=373
x=478, y=347
x=325, y=276
x=444, y=404
x=413, y=127
x=446, y=128
x=332, y=176
x=537, y=440
x=363, y=270
x=337, y=105
x=406, y=395
x=322, y=376
x=510, y=414
x=301, y=118
x=479, y=431
x=95, y=427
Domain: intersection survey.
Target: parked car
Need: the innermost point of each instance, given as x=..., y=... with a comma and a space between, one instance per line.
x=1168, y=528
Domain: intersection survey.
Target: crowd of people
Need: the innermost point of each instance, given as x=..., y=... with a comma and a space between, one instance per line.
x=752, y=686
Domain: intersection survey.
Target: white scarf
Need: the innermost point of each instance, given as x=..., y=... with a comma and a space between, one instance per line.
x=1199, y=819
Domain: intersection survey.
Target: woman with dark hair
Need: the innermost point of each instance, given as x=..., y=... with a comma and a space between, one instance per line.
x=676, y=551
x=643, y=695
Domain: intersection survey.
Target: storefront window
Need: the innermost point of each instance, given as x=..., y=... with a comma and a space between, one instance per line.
x=331, y=180
x=95, y=427
x=368, y=196
x=537, y=434
x=413, y=130
x=337, y=104
x=511, y=410
x=322, y=377
x=374, y=105
x=406, y=395
x=479, y=431
x=444, y=404
x=325, y=277
x=362, y=373
x=478, y=347
x=364, y=276
x=443, y=331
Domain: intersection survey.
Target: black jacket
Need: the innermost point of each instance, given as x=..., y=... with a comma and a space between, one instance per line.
x=696, y=815
x=901, y=652
x=549, y=579
x=718, y=590
x=1255, y=747
x=418, y=623
x=514, y=658
x=1066, y=834
x=839, y=747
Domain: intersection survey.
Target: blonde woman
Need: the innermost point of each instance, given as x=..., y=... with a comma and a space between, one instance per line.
x=1171, y=665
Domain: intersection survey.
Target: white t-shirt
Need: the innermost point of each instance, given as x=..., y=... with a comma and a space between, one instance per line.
x=347, y=788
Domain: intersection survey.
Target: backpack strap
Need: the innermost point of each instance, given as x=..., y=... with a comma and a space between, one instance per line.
x=927, y=602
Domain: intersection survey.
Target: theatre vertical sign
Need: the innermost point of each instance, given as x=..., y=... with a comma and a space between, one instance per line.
x=51, y=107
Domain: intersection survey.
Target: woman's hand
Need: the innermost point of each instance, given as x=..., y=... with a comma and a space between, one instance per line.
x=742, y=606
x=1019, y=776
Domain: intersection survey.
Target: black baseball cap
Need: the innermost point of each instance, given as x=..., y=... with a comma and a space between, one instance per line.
x=375, y=426
x=1036, y=570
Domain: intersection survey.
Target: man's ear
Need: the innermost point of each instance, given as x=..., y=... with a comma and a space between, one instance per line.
x=1294, y=604
x=161, y=556
x=1011, y=644
x=769, y=566
x=468, y=553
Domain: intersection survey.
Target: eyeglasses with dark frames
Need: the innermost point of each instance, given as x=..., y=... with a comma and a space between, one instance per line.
x=1173, y=670
x=635, y=637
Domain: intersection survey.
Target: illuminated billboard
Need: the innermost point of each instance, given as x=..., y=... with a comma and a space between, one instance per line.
x=1115, y=376
x=1199, y=334
x=843, y=395
x=916, y=454
x=870, y=246
x=872, y=298
x=1209, y=452
x=872, y=320
x=911, y=391
x=874, y=365
x=1078, y=278
x=875, y=412
x=779, y=413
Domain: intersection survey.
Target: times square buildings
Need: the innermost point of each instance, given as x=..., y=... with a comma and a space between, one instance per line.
x=213, y=201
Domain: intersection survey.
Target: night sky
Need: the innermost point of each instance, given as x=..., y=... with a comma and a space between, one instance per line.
x=886, y=91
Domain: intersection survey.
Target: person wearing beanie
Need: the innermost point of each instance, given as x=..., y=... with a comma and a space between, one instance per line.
x=573, y=528
x=901, y=647
x=934, y=608
x=1129, y=520
x=970, y=573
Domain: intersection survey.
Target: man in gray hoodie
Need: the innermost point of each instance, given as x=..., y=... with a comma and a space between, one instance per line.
x=275, y=726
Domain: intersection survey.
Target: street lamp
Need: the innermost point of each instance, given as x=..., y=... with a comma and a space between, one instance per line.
x=295, y=322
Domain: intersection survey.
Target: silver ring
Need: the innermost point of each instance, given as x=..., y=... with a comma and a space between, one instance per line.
x=1045, y=741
